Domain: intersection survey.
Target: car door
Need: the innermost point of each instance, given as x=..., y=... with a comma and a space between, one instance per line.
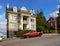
x=33, y=34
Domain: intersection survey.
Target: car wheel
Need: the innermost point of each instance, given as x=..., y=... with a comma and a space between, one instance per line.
x=27, y=37
x=40, y=35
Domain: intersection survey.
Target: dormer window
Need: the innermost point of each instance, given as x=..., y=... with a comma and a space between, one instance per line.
x=14, y=9
x=32, y=12
x=23, y=9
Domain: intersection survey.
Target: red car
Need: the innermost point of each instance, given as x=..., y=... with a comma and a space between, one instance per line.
x=32, y=34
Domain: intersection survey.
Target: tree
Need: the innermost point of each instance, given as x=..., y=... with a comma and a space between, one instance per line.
x=41, y=22
x=58, y=24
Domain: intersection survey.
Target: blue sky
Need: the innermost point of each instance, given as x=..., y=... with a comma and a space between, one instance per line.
x=48, y=6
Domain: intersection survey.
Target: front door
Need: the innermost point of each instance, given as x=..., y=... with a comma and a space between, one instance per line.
x=24, y=26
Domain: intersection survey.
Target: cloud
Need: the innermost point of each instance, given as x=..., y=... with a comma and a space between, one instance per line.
x=2, y=17
x=2, y=23
x=0, y=6
x=3, y=27
x=54, y=14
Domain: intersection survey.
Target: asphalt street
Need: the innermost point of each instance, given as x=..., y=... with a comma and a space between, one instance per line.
x=47, y=40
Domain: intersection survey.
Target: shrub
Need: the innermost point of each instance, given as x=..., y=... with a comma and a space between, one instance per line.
x=21, y=32
x=41, y=28
x=49, y=31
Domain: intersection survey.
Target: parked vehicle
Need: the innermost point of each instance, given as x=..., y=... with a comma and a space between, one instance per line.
x=1, y=39
x=32, y=34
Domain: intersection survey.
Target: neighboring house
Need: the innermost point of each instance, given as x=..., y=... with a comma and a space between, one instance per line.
x=52, y=23
x=19, y=19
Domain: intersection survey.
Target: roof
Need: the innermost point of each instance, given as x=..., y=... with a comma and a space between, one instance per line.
x=51, y=18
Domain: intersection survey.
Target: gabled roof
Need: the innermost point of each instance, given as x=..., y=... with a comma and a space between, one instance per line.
x=51, y=18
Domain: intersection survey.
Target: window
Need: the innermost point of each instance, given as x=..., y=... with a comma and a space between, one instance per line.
x=24, y=18
x=13, y=17
x=13, y=25
x=14, y=9
x=32, y=20
x=32, y=26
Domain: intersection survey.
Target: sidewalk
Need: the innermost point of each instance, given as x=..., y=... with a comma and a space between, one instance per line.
x=50, y=34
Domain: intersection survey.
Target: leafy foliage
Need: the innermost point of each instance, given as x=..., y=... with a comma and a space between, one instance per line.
x=21, y=32
x=58, y=24
x=41, y=22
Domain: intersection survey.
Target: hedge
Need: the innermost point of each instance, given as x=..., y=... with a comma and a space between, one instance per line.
x=21, y=32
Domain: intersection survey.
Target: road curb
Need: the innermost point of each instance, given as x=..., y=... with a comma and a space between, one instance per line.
x=51, y=34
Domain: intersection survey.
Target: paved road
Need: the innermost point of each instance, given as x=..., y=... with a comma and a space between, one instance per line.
x=47, y=40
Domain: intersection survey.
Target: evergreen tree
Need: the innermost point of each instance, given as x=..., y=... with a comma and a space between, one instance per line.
x=58, y=24
x=41, y=22
x=58, y=19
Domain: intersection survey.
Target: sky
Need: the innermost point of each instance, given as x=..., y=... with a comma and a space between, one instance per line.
x=47, y=6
